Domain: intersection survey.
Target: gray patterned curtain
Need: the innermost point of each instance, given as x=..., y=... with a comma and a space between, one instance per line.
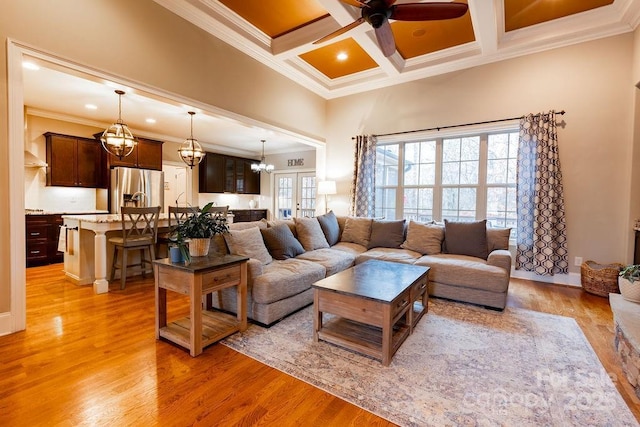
x=542, y=231
x=364, y=177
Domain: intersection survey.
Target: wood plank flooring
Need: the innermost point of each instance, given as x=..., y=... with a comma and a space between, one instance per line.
x=90, y=359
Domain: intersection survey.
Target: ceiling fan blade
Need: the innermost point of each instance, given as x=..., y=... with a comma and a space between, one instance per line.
x=428, y=11
x=385, y=38
x=340, y=31
x=356, y=3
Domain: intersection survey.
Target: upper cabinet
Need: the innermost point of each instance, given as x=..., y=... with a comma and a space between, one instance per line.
x=219, y=173
x=147, y=154
x=75, y=161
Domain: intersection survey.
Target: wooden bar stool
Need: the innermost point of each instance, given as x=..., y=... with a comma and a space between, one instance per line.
x=177, y=215
x=139, y=233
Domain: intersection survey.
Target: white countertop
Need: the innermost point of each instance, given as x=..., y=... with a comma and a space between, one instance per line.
x=104, y=218
x=70, y=212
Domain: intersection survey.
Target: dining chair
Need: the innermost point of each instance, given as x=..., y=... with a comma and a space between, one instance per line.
x=139, y=233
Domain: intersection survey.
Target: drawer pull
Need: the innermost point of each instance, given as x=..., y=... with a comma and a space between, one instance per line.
x=34, y=234
x=35, y=252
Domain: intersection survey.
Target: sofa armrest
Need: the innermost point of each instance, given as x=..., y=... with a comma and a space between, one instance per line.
x=254, y=269
x=500, y=258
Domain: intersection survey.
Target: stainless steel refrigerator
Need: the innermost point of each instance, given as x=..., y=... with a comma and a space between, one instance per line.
x=136, y=187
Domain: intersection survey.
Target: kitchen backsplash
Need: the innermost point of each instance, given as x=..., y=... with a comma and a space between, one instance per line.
x=58, y=199
x=234, y=201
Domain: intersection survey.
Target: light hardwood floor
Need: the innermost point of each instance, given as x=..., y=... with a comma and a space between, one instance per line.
x=90, y=359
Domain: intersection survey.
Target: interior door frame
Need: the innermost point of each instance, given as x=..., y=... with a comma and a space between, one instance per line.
x=296, y=189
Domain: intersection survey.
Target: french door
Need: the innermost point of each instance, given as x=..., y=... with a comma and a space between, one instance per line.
x=295, y=195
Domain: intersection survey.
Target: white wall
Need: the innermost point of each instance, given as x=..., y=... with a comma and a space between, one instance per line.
x=591, y=81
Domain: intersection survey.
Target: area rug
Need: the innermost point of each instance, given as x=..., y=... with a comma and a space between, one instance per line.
x=463, y=365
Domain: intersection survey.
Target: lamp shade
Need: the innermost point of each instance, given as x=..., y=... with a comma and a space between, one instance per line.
x=326, y=187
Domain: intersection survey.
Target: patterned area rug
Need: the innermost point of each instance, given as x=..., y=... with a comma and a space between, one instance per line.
x=463, y=365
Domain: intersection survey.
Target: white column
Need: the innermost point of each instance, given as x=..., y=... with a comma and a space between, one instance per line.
x=100, y=285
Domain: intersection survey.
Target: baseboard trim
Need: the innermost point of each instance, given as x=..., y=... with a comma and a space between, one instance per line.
x=6, y=322
x=571, y=279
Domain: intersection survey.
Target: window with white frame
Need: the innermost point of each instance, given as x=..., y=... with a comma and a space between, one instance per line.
x=456, y=178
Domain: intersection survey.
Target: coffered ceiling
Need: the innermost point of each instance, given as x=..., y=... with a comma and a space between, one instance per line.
x=280, y=34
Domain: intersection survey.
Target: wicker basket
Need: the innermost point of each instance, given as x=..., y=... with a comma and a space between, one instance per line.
x=600, y=279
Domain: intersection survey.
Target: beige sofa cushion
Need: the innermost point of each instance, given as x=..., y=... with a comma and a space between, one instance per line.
x=283, y=279
x=424, y=238
x=465, y=271
x=245, y=225
x=389, y=254
x=332, y=260
x=248, y=243
x=498, y=238
x=357, y=230
x=310, y=234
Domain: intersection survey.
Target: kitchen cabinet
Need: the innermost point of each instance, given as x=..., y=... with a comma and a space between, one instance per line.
x=211, y=172
x=247, y=215
x=219, y=173
x=147, y=154
x=75, y=161
x=42, y=233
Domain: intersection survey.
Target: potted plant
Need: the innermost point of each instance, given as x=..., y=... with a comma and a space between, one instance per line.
x=629, y=282
x=197, y=230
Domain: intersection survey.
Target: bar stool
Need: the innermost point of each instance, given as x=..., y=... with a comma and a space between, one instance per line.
x=177, y=215
x=139, y=233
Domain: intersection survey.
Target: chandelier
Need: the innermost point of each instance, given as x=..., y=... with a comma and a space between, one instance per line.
x=117, y=139
x=262, y=166
x=191, y=151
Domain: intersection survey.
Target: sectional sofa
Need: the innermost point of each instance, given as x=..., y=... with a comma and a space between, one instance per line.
x=469, y=262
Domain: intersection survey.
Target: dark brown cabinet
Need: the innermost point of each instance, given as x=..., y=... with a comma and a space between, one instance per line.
x=211, y=174
x=75, y=161
x=219, y=173
x=246, y=215
x=42, y=233
x=147, y=154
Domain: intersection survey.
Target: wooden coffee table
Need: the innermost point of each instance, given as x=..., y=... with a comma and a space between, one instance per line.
x=373, y=304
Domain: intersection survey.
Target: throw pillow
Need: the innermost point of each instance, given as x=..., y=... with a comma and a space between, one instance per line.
x=466, y=238
x=281, y=242
x=424, y=238
x=386, y=234
x=288, y=222
x=357, y=230
x=310, y=234
x=498, y=238
x=248, y=243
x=330, y=228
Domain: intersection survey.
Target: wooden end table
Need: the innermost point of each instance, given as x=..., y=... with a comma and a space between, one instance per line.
x=202, y=276
x=374, y=305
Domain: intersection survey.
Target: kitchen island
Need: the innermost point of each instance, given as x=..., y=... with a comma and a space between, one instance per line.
x=87, y=253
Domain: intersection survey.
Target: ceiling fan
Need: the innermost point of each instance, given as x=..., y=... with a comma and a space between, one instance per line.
x=378, y=12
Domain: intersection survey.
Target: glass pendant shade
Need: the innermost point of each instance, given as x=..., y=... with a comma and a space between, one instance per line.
x=262, y=166
x=191, y=151
x=117, y=139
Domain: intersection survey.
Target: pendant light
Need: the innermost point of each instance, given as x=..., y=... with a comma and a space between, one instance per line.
x=262, y=166
x=191, y=151
x=117, y=138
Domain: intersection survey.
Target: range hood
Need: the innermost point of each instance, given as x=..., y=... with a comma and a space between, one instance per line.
x=31, y=161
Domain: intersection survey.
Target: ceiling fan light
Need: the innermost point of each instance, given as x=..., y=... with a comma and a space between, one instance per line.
x=190, y=150
x=117, y=139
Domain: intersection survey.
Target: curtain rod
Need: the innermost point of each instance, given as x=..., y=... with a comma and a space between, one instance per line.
x=457, y=126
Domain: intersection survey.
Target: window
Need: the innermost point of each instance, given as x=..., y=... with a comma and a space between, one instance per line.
x=456, y=178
